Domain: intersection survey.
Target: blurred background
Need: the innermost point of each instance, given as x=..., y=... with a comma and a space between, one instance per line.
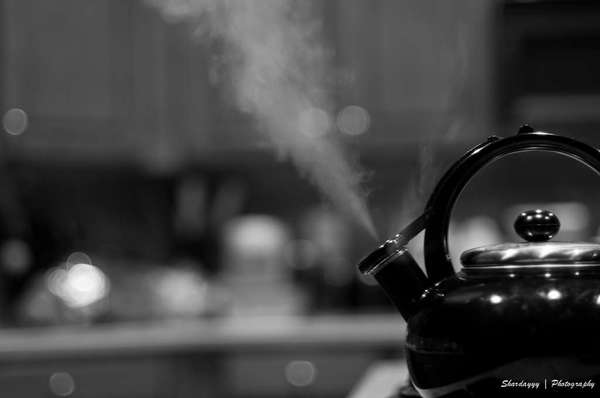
x=160, y=237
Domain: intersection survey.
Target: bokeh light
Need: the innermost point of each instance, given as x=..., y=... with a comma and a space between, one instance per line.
x=353, y=120
x=61, y=384
x=15, y=121
x=315, y=121
x=554, y=294
x=78, y=258
x=78, y=283
x=300, y=373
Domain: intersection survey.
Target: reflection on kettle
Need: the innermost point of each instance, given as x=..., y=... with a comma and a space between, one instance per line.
x=517, y=315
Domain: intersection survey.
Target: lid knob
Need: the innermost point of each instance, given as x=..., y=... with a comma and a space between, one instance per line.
x=537, y=225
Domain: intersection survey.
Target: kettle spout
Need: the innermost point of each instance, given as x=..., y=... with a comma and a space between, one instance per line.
x=397, y=272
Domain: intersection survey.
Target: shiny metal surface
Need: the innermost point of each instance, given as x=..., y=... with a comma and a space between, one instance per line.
x=537, y=225
x=532, y=254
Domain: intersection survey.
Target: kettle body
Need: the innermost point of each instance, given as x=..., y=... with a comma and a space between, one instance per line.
x=505, y=333
x=519, y=319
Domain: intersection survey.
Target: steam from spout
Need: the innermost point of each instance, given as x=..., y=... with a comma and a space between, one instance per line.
x=278, y=70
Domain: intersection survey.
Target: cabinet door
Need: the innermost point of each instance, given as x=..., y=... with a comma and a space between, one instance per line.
x=78, y=69
x=418, y=67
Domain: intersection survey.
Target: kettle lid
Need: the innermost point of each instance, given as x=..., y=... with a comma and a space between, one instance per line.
x=537, y=227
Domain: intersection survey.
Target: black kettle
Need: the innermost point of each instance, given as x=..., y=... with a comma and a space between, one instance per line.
x=519, y=319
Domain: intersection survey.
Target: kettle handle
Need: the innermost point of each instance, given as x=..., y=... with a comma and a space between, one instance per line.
x=436, y=218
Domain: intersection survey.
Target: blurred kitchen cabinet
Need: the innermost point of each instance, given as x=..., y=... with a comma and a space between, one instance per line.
x=203, y=119
x=548, y=55
x=418, y=67
x=87, y=73
x=112, y=80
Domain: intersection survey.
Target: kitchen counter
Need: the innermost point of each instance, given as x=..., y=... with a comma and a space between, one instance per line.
x=205, y=335
x=382, y=380
x=266, y=357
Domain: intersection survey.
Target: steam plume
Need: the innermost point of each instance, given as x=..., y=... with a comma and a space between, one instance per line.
x=278, y=68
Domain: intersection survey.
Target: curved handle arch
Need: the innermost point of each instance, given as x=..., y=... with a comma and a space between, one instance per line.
x=441, y=202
